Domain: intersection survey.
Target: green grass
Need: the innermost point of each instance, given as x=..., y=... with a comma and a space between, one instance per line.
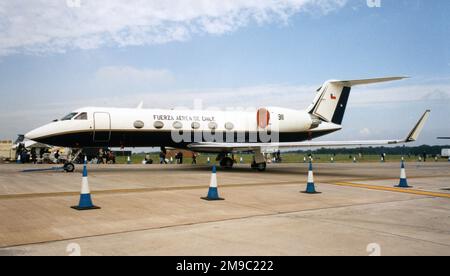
x=287, y=158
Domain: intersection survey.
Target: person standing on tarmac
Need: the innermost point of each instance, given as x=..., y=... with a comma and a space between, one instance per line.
x=194, y=159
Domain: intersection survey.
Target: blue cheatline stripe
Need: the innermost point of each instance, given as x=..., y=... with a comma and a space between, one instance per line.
x=85, y=201
x=213, y=193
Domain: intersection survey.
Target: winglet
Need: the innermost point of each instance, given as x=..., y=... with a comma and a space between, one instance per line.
x=415, y=132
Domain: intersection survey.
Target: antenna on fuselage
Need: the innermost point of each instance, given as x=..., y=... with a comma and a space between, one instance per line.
x=140, y=105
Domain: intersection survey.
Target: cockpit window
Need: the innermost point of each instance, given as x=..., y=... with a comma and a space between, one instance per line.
x=69, y=116
x=82, y=116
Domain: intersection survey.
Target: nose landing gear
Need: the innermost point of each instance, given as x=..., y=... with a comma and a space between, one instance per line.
x=69, y=166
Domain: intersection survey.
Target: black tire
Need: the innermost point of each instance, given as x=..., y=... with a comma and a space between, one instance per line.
x=69, y=167
x=227, y=163
x=261, y=167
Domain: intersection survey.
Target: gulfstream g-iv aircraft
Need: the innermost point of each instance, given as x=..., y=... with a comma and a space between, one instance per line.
x=221, y=132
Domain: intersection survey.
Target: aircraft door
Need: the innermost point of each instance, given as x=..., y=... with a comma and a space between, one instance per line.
x=102, y=127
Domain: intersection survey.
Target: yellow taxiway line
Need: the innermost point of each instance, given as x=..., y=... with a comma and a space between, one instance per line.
x=391, y=189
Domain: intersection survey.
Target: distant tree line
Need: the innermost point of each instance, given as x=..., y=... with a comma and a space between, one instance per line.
x=424, y=149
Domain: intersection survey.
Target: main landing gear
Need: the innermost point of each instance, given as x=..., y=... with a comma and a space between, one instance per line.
x=259, y=161
x=227, y=162
x=261, y=167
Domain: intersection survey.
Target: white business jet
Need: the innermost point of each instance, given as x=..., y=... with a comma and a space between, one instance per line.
x=221, y=132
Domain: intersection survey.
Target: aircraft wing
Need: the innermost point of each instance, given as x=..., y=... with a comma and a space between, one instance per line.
x=243, y=147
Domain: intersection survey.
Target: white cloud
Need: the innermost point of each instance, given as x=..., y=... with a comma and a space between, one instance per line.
x=131, y=75
x=365, y=132
x=43, y=26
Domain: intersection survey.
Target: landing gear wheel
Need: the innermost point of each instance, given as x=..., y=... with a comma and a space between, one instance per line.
x=261, y=167
x=227, y=163
x=69, y=167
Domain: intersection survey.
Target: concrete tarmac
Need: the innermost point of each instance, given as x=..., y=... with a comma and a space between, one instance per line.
x=157, y=210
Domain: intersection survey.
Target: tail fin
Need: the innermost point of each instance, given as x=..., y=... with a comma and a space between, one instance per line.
x=331, y=100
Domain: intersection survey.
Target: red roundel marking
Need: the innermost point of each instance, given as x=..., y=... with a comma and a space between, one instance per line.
x=263, y=117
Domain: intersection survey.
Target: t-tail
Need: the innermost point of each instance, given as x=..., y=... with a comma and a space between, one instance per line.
x=332, y=98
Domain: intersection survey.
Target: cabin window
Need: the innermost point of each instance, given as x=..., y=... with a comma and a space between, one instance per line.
x=69, y=116
x=212, y=125
x=82, y=116
x=139, y=124
x=177, y=125
x=158, y=124
x=195, y=125
x=229, y=126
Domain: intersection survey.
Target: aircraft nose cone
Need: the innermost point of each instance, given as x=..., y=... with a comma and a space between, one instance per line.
x=32, y=135
x=35, y=134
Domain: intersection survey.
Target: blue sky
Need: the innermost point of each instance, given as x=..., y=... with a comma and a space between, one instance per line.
x=58, y=55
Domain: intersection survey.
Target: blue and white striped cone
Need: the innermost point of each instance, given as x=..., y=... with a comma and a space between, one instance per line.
x=304, y=159
x=403, y=181
x=18, y=160
x=128, y=160
x=208, y=160
x=85, y=196
x=310, y=187
x=332, y=159
x=354, y=159
x=241, y=160
x=213, y=193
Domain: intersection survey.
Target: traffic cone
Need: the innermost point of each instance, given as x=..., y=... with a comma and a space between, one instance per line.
x=241, y=160
x=213, y=193
x=208, y=160
x=85, y=196
x=18, y=160
x=403, y=181
x=304, y=159
x=310, y=187
x=128, y=160
x=354, y=159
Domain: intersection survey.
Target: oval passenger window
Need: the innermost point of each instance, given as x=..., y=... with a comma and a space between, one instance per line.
x=212, y=125
x=139, y=124
x=229, y=126
x=177, y=125
x=158, y=124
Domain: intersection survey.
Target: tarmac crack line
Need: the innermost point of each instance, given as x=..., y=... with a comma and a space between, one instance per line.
x=375, y=231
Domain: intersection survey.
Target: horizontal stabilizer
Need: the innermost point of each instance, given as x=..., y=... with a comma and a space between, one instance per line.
x=350, y=83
